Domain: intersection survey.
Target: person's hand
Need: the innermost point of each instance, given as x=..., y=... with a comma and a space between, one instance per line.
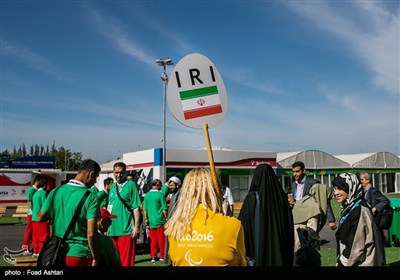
x=135, y=232
x=343, y=261
x=332, y=225
x=290, y=200
x=373, y=210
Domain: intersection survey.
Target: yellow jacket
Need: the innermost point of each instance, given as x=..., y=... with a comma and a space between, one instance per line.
x=217, y=240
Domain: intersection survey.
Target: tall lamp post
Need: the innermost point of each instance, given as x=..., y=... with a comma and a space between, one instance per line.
x=164, y=77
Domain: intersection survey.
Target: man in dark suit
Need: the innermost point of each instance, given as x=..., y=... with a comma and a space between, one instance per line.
x=301, y=186
x=377, y=201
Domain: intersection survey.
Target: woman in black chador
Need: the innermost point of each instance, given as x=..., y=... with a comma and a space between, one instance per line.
x=267, y=220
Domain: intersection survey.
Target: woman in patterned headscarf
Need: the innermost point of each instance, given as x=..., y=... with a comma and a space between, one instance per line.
x=357, y=242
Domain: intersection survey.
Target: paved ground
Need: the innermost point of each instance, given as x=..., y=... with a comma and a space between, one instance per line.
x=327, y=237
x=12, y=236
x=11, y=239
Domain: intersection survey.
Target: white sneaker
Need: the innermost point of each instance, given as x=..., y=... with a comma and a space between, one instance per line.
x=26, y=252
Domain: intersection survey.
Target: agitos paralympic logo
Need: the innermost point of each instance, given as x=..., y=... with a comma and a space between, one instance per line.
x=195, y=238
x=192, y=262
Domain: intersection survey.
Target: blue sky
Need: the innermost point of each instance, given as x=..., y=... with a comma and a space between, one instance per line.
x=299, y=75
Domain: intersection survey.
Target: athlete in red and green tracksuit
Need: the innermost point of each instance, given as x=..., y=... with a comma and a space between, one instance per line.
x=155, y=214
x=40, y=230
x=28, y=235
x=125, y=228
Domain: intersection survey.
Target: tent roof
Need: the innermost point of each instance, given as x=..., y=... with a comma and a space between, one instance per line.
x=313, y=159
x=372, y=160
x=108, y=166
x=281, y=156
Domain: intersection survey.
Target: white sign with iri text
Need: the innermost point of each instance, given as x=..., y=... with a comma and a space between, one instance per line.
x=196, y=93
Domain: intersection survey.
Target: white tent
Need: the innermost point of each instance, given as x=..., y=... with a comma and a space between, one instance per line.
x=313, y=159
x=372, y=160
x=108, y=166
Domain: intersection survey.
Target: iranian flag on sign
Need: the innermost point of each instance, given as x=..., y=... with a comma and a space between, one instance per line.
x=200, y=102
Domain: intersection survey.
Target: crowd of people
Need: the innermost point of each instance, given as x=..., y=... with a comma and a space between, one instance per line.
x=187, y=223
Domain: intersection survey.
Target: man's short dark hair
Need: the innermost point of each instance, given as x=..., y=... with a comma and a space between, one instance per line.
x=38, y=177
x=299, y=164
x=42, y=183
x=108, y=181
x=120, y=164
x=89, y=165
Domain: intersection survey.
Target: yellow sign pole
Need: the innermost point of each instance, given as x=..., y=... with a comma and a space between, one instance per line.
x=211, y=160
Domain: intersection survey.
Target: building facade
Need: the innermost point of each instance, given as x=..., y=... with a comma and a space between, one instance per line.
x=237, y=167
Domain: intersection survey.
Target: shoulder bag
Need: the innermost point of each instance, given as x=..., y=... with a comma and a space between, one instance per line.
x=384, y=218
x=53, y=250
x=123, y=201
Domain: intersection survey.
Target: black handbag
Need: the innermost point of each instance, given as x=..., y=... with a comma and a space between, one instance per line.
x=53, y=250
x=384, y=218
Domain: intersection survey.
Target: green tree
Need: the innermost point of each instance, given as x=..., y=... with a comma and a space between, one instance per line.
x=36, y=150
x=74, y=161
x=24, y=153
x=53, y=149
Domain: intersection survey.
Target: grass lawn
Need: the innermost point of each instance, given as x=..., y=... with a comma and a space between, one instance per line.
x=328, y=256
x=336, y=207
x=12, y=221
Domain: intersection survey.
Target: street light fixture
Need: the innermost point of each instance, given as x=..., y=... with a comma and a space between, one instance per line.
x=164, y=77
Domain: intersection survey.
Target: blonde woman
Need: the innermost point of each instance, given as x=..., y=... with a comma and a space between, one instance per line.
x=198, y=233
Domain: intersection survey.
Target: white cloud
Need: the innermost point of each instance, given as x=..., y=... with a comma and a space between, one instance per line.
x=371, y=33
x=120, y=38
x=33, y=60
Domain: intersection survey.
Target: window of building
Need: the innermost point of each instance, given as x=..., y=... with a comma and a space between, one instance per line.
x=239, y=186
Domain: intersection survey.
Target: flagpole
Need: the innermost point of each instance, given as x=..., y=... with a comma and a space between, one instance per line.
x=164, y=77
